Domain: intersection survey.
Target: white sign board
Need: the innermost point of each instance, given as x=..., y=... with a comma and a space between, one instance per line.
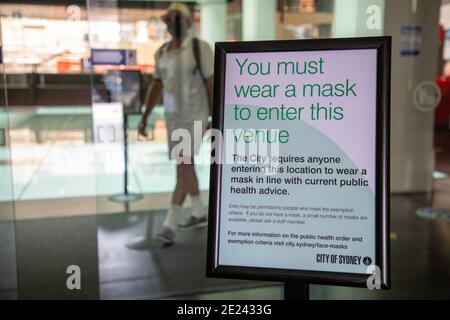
x=299, y=181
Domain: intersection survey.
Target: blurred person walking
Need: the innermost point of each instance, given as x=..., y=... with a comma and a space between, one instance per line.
x=183, y=74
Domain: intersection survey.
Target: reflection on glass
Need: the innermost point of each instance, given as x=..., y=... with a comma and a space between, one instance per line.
x=8, y=276
x=307, y=19
x=8, y=273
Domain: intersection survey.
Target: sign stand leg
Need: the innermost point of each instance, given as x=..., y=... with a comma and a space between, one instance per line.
x=296, y=290
x=126, y=196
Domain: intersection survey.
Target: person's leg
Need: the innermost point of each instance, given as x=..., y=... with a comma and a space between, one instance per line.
x=178, y=197
x=190, y=180
x=180, y=192
x=190, y=183
x=187, y=183
x=194, y=192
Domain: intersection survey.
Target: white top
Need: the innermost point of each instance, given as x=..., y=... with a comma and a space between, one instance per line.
x=185, y=94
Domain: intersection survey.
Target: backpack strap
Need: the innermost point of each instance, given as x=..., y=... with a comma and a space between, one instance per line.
x=198, y=66
x=196, y=49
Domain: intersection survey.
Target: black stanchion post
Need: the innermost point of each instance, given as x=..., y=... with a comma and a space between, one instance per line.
x=126, y=196
x=125, y=144
x=296, y=290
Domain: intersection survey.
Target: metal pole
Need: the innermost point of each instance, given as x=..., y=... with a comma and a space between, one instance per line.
x=126, y=196
x=125, y=146
x=296, y=290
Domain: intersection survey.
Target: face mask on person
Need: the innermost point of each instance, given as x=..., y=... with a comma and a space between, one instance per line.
x=175, y=26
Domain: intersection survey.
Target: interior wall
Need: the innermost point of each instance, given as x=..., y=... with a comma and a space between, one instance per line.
x=412, y=152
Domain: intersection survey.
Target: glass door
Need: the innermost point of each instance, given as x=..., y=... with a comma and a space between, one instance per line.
x=48, y=153
x=8, y=274
x=135, y=178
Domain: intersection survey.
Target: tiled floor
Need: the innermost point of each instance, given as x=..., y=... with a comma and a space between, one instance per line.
x=420, y=260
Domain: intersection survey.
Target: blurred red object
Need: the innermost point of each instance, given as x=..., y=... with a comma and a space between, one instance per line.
x=144, y=68
x=442, y=114
x=441, y=34
x=68, y=66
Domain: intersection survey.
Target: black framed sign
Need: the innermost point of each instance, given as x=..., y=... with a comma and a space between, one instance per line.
x=299, y=185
